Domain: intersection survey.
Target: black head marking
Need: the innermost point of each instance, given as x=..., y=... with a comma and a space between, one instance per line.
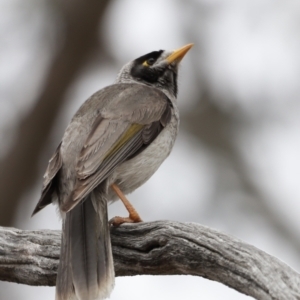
x=154, y=55
x=146, y=73
x=175, y=86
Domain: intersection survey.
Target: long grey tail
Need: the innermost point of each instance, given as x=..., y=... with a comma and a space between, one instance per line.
x=86, y=270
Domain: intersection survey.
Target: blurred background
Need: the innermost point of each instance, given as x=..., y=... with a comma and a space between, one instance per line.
x=235, y=166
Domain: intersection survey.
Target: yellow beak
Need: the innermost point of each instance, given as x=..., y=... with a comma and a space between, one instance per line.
x=178, y=54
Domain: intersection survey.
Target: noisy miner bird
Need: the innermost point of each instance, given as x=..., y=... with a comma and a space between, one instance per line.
x=115, y=142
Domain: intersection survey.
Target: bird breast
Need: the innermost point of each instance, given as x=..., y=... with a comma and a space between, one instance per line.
x=136, y=171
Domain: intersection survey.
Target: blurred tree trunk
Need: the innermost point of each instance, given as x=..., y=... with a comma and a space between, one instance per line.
x=19, y=169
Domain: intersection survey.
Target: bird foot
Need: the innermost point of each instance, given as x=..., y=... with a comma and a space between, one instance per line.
x=117, y=221
x=133, y=214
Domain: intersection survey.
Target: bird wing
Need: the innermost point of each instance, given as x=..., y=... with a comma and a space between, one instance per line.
x=54, y=166
x=127, y=124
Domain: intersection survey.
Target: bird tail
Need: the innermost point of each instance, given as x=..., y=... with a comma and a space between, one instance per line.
x=86, y=270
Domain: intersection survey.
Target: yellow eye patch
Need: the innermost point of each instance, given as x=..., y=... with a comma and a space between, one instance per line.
x=149, y=62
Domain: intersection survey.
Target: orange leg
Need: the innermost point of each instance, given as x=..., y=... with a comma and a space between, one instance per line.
x=133, y=215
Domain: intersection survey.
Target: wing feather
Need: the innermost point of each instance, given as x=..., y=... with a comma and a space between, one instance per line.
x=125, y=127
x=98, y=144
x=49, y=185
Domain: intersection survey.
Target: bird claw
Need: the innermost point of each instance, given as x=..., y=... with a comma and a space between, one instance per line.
x=117, y=221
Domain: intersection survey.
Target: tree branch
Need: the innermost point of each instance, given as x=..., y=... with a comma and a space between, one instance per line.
x=157, y=248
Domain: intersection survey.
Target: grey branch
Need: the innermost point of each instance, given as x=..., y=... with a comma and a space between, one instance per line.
x=157, y=248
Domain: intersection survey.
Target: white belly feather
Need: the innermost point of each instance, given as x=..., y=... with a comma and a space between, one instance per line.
x=133, y=173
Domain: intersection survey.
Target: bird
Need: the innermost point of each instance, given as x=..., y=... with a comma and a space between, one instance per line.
x=115, y=142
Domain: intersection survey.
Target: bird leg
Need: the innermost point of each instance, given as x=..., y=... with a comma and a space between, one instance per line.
x=133, y=215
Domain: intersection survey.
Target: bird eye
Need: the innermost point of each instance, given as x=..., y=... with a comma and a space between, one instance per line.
x=149, y=62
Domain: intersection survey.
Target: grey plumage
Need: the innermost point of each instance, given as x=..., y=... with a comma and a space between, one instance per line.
x=120, y=135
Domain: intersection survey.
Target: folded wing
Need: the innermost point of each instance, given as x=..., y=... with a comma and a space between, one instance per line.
x=127, y=125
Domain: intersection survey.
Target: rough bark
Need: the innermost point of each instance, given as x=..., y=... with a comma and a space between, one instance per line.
x=157, y=248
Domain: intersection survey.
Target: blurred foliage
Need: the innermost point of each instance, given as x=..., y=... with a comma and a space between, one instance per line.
x=239, y=101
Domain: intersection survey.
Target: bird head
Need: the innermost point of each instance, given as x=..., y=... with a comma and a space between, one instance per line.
x=158, y=69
